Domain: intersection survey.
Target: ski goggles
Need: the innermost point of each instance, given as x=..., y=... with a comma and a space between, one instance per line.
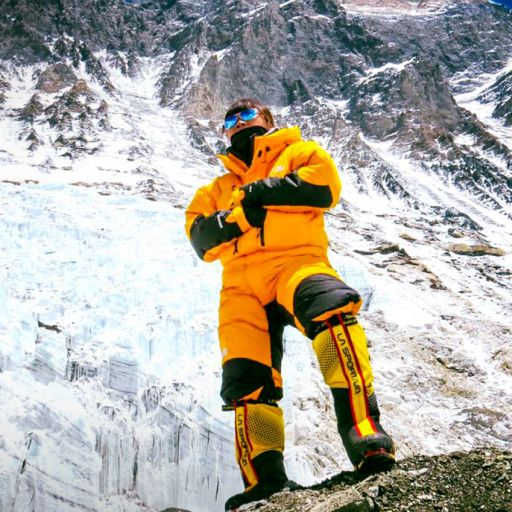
x=246, y=115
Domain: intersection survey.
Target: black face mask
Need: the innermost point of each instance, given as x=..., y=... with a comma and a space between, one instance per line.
x=242, y=143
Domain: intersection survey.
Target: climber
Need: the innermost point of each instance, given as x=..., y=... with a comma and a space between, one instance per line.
x=264, y=220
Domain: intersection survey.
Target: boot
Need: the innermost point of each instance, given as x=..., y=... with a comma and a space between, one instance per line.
x=272, y=478
x=345, y=364
x=259, y=443
x=370, y=453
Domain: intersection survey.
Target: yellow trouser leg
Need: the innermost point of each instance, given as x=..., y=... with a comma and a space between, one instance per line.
x=258, y=428
x=344, y=361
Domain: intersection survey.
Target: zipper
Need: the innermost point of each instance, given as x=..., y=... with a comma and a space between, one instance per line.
x=261, y=236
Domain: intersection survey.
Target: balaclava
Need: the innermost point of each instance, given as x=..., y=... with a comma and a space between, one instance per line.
x=242, y=143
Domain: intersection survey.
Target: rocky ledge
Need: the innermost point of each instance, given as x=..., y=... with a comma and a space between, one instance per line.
x=480, y=480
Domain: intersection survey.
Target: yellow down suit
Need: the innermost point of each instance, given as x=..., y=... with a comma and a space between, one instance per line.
x=265, y=222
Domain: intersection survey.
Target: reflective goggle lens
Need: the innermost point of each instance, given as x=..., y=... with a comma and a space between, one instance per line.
x=245, y=115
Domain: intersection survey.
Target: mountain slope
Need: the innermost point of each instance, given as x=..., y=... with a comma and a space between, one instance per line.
x=109, y=115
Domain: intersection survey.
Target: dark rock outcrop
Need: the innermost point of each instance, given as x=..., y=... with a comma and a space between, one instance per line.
x=4, y=87
x=76, y=114
x=469, y=482
x=31, y=110
x=55, y=77
x=412, y=101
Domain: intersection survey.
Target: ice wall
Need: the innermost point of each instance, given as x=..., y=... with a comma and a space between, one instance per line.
x=109, y=357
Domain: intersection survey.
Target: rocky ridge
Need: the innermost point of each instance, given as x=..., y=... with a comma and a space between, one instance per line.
x=469, y=482
x=476, y=481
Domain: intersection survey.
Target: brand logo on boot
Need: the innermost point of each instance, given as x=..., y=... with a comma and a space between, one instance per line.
x=244, y=446
x=352, y=370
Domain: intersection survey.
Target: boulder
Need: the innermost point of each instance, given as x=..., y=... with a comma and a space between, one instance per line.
x=476, y=250
x=55, y=78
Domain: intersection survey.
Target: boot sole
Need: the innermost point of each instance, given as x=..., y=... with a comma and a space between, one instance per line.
x=376, y=462
x=238, y=501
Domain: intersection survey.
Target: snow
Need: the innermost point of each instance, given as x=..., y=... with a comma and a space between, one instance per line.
x=18, y=95
x=393, y=10
x=427, y=190
x=285, y=4
x=255, y=11
x=118, y=275
x=390, y=66
x=464, y=139
x=221, y=53
x=483, y=111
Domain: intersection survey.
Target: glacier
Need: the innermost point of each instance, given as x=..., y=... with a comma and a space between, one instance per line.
x=100, y=304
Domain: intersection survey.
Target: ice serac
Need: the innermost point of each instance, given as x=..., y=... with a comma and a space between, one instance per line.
x=109, y=114
x=104, y=393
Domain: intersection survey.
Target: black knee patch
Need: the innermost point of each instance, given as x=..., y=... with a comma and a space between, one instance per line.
x=241, y=377
x=317, y=294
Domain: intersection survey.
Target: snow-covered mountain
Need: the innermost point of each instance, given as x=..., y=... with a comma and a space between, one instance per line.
x=109, y=117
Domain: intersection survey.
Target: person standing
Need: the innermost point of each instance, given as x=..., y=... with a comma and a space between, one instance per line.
x=264, y=220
